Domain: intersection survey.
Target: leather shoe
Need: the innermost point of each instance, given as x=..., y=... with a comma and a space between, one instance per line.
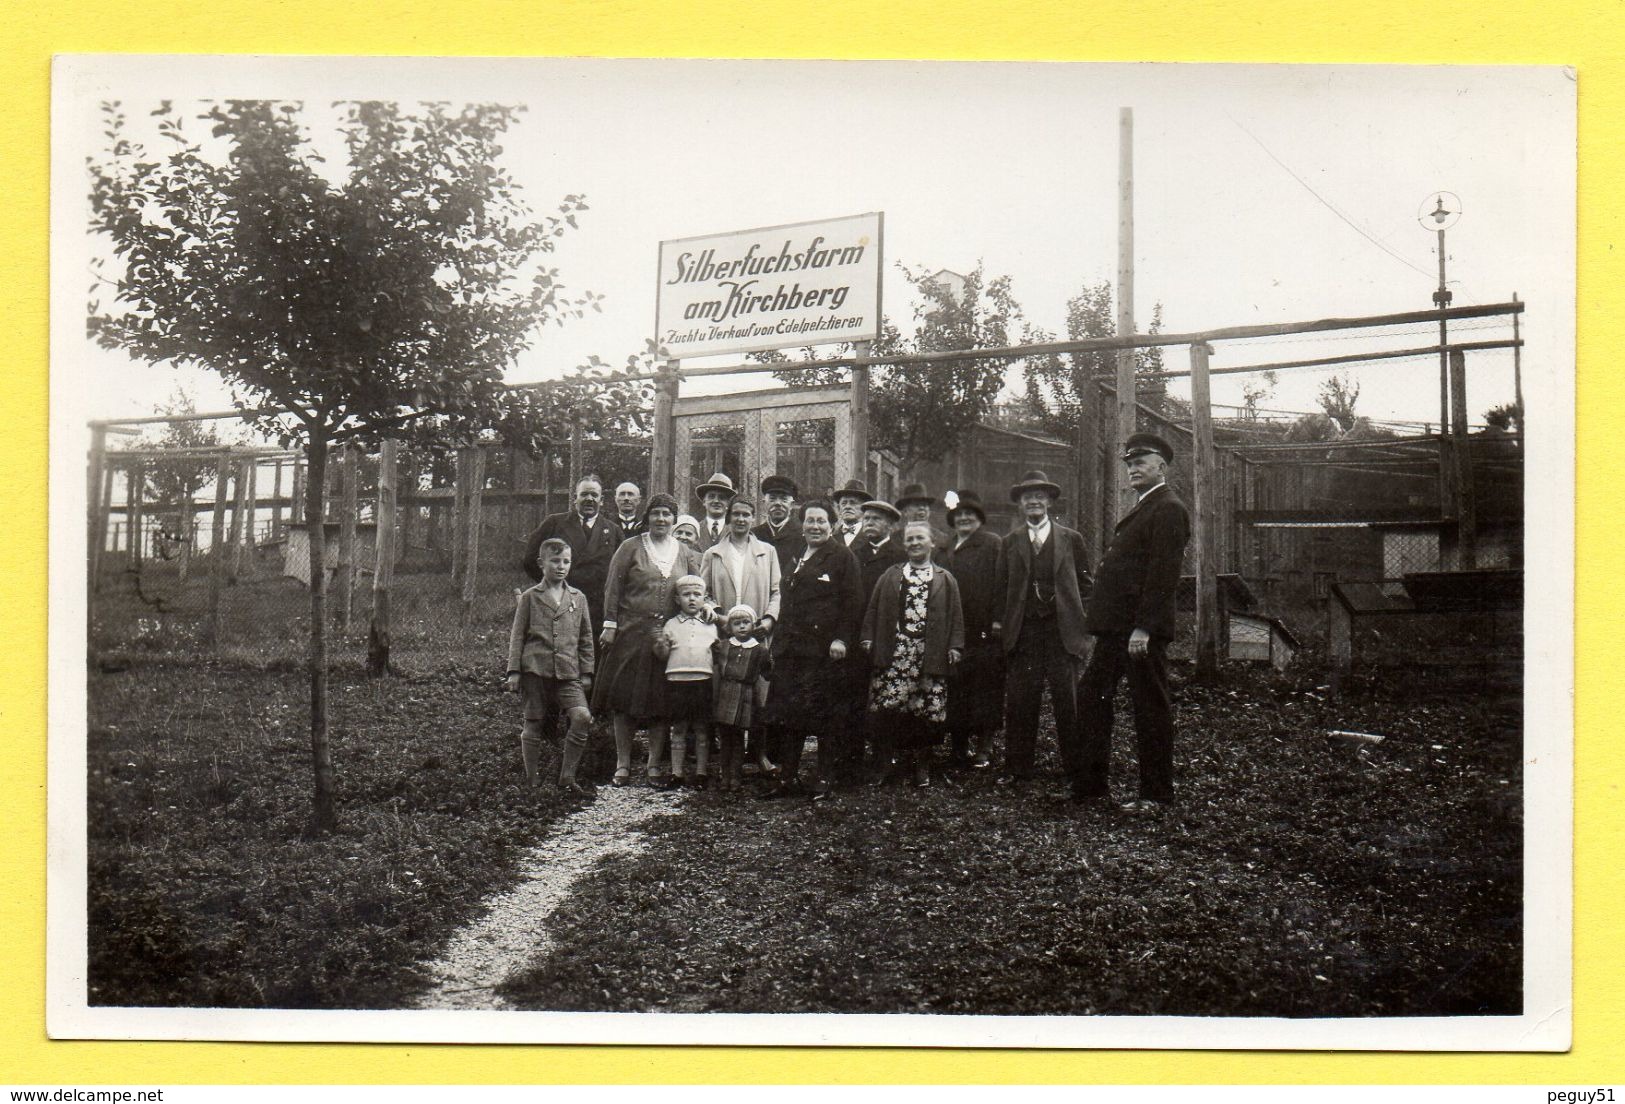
x=1010, y=780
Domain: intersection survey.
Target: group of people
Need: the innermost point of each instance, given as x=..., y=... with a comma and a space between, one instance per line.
x=853, y=621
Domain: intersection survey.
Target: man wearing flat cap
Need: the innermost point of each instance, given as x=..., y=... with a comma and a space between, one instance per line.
x=1040, y=584
x=1131, y=615
x=781, y=529
x=714, y=494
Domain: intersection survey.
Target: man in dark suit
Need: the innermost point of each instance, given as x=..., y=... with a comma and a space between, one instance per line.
x=628, y=515
x=592, y=538
x=849, y=502
x=1131, y=614
x=781, y=529
x=1040, y=584
x=714, y=495
x=877, y=547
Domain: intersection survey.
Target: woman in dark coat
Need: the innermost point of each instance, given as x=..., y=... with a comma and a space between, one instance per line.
x=631, y=680
x=914, y=634
x=820, y=609
x=976, y=686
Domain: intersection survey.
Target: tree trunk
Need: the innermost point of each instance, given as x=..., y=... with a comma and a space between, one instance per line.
x=324, y=816
x=383, y=575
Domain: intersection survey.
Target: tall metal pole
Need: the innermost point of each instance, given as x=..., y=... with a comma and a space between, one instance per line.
x=1441, y=299
x=1125, y=309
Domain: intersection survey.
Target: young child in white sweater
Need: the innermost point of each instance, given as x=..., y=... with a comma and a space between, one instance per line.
x=685, y=644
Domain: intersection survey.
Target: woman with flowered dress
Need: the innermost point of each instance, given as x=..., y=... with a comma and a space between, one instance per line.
x=914, y=633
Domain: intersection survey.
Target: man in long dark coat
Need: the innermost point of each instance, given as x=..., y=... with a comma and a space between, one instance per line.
x=1131, y=614
x=876, y=549
x=781, y=529
x=593, y=539
x=976, y=683
x=1041, y=583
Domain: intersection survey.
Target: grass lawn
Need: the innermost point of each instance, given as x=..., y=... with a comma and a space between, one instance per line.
x=1297, y=876
x=204, y=890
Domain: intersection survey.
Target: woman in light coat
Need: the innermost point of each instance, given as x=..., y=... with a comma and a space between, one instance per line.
x=742, y=569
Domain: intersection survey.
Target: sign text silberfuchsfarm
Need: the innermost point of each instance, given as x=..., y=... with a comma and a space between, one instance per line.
x=781, y=286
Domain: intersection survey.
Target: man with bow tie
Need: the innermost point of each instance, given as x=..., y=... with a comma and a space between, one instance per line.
x=849, y=502
x=1131, y=615
x=1040, y=584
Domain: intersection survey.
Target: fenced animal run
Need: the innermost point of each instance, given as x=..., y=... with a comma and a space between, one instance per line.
x=1360, y=548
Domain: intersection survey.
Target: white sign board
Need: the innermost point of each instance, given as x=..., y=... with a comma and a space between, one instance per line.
x=808, y=283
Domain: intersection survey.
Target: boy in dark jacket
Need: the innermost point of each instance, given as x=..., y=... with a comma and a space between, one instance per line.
x=550, y=663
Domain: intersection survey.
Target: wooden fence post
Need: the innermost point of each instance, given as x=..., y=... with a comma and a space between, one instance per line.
x=1205, y=507
x=217, y=538
x=576, y=461
x=1466, y=508
x=459, y=514
x=660, y=437
x=860, y=417
x=135, y=490
x=349, y=484
x=276, y=501
x=95, y=516
x=383, y=572
x=471, y=560
x=239, y=494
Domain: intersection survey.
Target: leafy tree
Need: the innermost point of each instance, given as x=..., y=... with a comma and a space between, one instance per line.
x=1505, y=418
x=173, y=482
x=1337, y=397
x=1254, y=391
x=1055, y=382
x=383, y=297
x=919, y=411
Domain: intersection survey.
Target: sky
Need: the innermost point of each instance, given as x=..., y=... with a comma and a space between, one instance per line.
x=1262, y=194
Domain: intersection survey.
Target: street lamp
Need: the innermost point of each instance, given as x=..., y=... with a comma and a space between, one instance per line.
x=1438, y=213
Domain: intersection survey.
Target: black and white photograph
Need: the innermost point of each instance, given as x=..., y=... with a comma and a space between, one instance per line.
x=811, y=553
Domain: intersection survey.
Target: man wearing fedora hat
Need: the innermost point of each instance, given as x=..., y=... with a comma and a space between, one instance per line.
x=714, y=494
x=1131, y=615
x=849, y=502
x=876, y=549
x=1040, y=584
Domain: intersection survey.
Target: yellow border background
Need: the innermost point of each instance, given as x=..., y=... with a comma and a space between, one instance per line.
x=1588, y=35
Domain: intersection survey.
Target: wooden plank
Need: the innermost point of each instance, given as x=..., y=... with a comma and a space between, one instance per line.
x=459, y=514
x=1203, y=473
x=741, y=401
x=1465, y=505
x=858, y=424
x=239, y=494
x=1349, y=358
x=135, y=493
x=97, y=491
x=1123, y=424
x=663, y=449
x=471, y=559
x=383, y=572
x=217, y=553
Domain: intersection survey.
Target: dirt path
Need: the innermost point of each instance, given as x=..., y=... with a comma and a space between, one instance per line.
x=514, y=930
